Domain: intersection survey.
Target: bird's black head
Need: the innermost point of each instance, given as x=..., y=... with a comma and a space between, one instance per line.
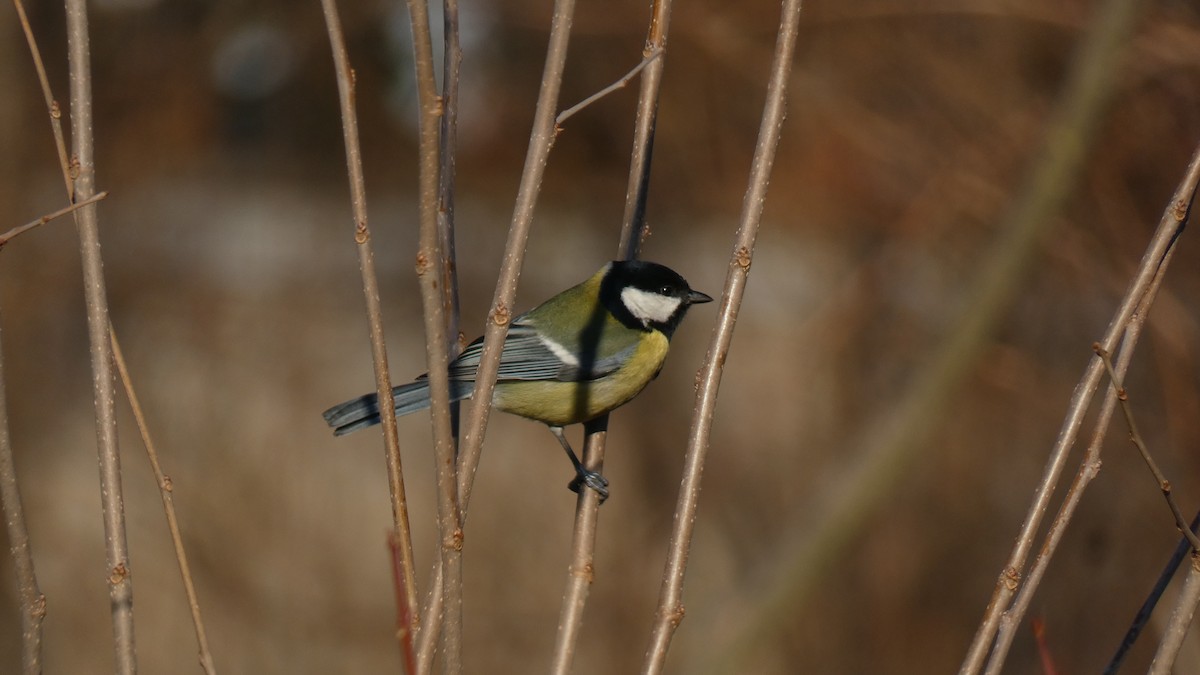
x=647, y=295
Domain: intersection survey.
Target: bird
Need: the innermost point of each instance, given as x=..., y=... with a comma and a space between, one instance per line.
x=577, y=356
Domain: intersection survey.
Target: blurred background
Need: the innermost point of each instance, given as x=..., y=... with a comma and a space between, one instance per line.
x=234, y=287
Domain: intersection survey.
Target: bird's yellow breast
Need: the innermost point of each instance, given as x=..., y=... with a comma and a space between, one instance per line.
x=563, y=403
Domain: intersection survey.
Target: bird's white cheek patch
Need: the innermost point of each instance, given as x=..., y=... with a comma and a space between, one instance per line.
x=647, y=306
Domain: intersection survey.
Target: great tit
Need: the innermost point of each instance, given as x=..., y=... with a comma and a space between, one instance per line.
x=571, y=359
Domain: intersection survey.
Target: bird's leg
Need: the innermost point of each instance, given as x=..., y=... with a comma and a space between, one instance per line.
x=583, y=477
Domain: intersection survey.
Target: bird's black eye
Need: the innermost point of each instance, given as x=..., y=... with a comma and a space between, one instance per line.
x=666, y=290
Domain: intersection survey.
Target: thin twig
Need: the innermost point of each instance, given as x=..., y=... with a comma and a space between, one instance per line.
x=619, y=84
x=540, y=141
x=1136, y=438
x=429, y=271
x=581, y=572
x=383, y=382
x=52, y=107
x=633, y=223
x=111, y=496
x=165, y=489
x=33, y=603
x=1177, y=625
x=22, y=229
x=670, y=602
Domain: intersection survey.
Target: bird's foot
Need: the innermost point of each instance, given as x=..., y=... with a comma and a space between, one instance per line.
x=592, y=480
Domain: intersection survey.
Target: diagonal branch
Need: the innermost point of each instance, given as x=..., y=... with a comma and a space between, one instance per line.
x=1126, y=319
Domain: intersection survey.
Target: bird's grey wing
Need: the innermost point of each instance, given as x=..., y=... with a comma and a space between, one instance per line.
x=528, y=356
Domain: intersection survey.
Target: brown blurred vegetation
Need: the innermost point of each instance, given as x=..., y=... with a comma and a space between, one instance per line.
x=232, y=279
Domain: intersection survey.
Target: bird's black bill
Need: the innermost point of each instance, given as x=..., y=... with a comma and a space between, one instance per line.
x=697, y=298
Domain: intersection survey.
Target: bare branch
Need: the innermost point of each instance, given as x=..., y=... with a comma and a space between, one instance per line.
x=1090, y=465
x=581, y=572
x=165, y=489
x=501, y=313
x=33, y=603
x=670, y=602
x=22, y=229
x=111, y=496
x=430, y=269
x=1127, y=322
x=383, y=382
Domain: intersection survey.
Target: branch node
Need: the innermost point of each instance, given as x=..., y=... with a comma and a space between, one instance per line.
x=1011, y=578
x=119, y=573
x=501, y=315
x=1180, y=210
x=587, y=572
x=742, y=258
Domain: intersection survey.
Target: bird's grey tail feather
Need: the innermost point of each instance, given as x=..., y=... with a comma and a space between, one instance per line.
x=363, y=411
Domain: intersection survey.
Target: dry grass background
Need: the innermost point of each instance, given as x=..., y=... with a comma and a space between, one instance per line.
x=233, y=286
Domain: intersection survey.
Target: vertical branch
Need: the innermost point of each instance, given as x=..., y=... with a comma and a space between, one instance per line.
x=634, y=222
x=165, y=487
x=581, y=573
x=583, y=545
x=430, y=269
x=33, y=603
x=540, y=141
x=383, y=383
x=112, y=500
x=670, y=603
